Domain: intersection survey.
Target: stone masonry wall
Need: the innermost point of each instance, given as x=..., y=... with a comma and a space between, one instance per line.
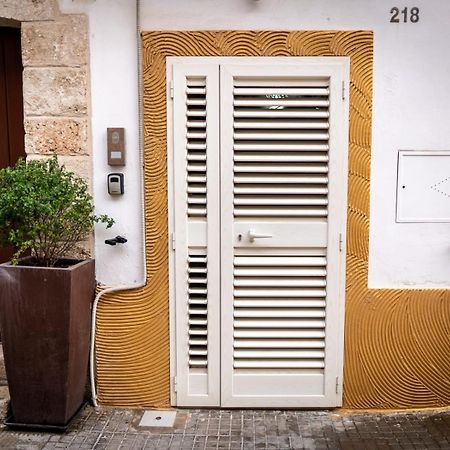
x=55, y=54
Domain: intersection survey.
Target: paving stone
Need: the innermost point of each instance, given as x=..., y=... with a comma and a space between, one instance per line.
x=110, y=429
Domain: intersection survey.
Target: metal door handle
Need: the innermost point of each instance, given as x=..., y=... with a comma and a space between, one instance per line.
x=252, y=235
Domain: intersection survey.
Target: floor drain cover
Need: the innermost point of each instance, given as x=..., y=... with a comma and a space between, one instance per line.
x=158, y=419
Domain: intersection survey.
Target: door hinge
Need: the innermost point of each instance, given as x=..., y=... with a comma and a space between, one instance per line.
x=341, y=242
x=171, y=88
x=337, y=385
x=174, y=381
x=172, y=241
x=343, y=90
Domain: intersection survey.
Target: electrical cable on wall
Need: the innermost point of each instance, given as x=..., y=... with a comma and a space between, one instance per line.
x=109, y=290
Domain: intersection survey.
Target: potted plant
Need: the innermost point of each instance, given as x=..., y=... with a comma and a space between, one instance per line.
x=45, y=297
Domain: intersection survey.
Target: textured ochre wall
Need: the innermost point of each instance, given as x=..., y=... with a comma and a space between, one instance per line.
x=397, y=342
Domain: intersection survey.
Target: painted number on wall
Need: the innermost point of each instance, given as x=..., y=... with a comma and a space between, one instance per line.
x=405, y=15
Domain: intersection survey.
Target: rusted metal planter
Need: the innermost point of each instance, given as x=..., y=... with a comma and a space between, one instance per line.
x=45, y=326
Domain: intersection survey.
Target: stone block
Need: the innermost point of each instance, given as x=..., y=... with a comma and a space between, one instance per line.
x=60, y=43
x=61, y=136
x=28, y=10
x=80, y=165
x=55, y=91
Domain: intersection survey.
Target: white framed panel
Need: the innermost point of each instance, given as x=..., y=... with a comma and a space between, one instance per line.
x=269, y=336
x=193, y=227
x=278, y=224
x=423, y=186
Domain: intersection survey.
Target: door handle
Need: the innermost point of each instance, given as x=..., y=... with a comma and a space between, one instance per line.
x=252, y=235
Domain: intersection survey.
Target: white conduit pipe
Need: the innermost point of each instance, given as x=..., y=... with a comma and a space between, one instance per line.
x=141, y=284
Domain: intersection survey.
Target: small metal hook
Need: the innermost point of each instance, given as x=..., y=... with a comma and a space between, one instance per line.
x=116, y=240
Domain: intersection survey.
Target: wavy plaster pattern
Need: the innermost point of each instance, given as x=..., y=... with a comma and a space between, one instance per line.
x=397, y=342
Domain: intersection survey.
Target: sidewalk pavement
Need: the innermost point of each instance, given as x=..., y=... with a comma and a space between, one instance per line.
x=109, y=428
x=114, y=429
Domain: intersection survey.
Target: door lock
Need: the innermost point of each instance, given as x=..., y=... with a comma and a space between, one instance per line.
x=252, y=235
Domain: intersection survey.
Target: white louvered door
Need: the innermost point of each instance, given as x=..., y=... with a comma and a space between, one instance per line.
x=283, y=150
x=196, y=222
x=279, y=222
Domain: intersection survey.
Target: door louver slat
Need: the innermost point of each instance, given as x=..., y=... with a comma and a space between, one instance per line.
x=300, y=323
x=278, y=282
x=269, y=212
x=277, y=313
x=196, y=90
x=276, y=135
x=273, y=179
x=280, y=124
x=279, y=343
x=286, y=147
x=278, y=168
x=196, y=146
x=288, y=303
x=195, y=102
x=293, y=113
x=275, y=293
x=274, y=157
x=278, y=364
x=281, y=272
x=280, y=261
x=290, y=82
x=271, y=91
x=278, y=354
x=276, y=334
x=279, y=102
x=278, y=190
x=290, y=201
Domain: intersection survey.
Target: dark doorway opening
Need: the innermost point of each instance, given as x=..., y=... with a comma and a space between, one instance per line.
x=12, y=134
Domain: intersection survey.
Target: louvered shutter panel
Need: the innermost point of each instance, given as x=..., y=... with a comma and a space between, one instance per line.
x=259, y=210
x=281, y=149
x=196, y=238
x=196, y=146
x=198, y=310
x=279, y=312
x=282, y=130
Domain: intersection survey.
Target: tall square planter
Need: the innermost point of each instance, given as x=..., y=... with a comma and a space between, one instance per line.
x=45, y=326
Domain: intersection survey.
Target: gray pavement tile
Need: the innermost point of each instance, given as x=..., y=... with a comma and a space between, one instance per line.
x=116, y=429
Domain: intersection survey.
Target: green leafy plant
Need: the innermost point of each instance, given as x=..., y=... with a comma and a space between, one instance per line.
x=46, y=209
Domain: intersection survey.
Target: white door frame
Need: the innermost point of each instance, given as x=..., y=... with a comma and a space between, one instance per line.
x=336, y=240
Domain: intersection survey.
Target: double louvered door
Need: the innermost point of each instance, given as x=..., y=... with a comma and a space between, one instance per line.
x=258, y=230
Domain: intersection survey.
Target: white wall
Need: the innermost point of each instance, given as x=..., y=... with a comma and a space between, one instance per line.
x=411, y=111
x=114, y=103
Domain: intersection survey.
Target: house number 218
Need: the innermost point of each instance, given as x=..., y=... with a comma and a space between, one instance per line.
x=412, y=17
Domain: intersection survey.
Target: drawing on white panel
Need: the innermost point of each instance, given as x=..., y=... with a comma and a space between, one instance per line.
x=442, y=187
